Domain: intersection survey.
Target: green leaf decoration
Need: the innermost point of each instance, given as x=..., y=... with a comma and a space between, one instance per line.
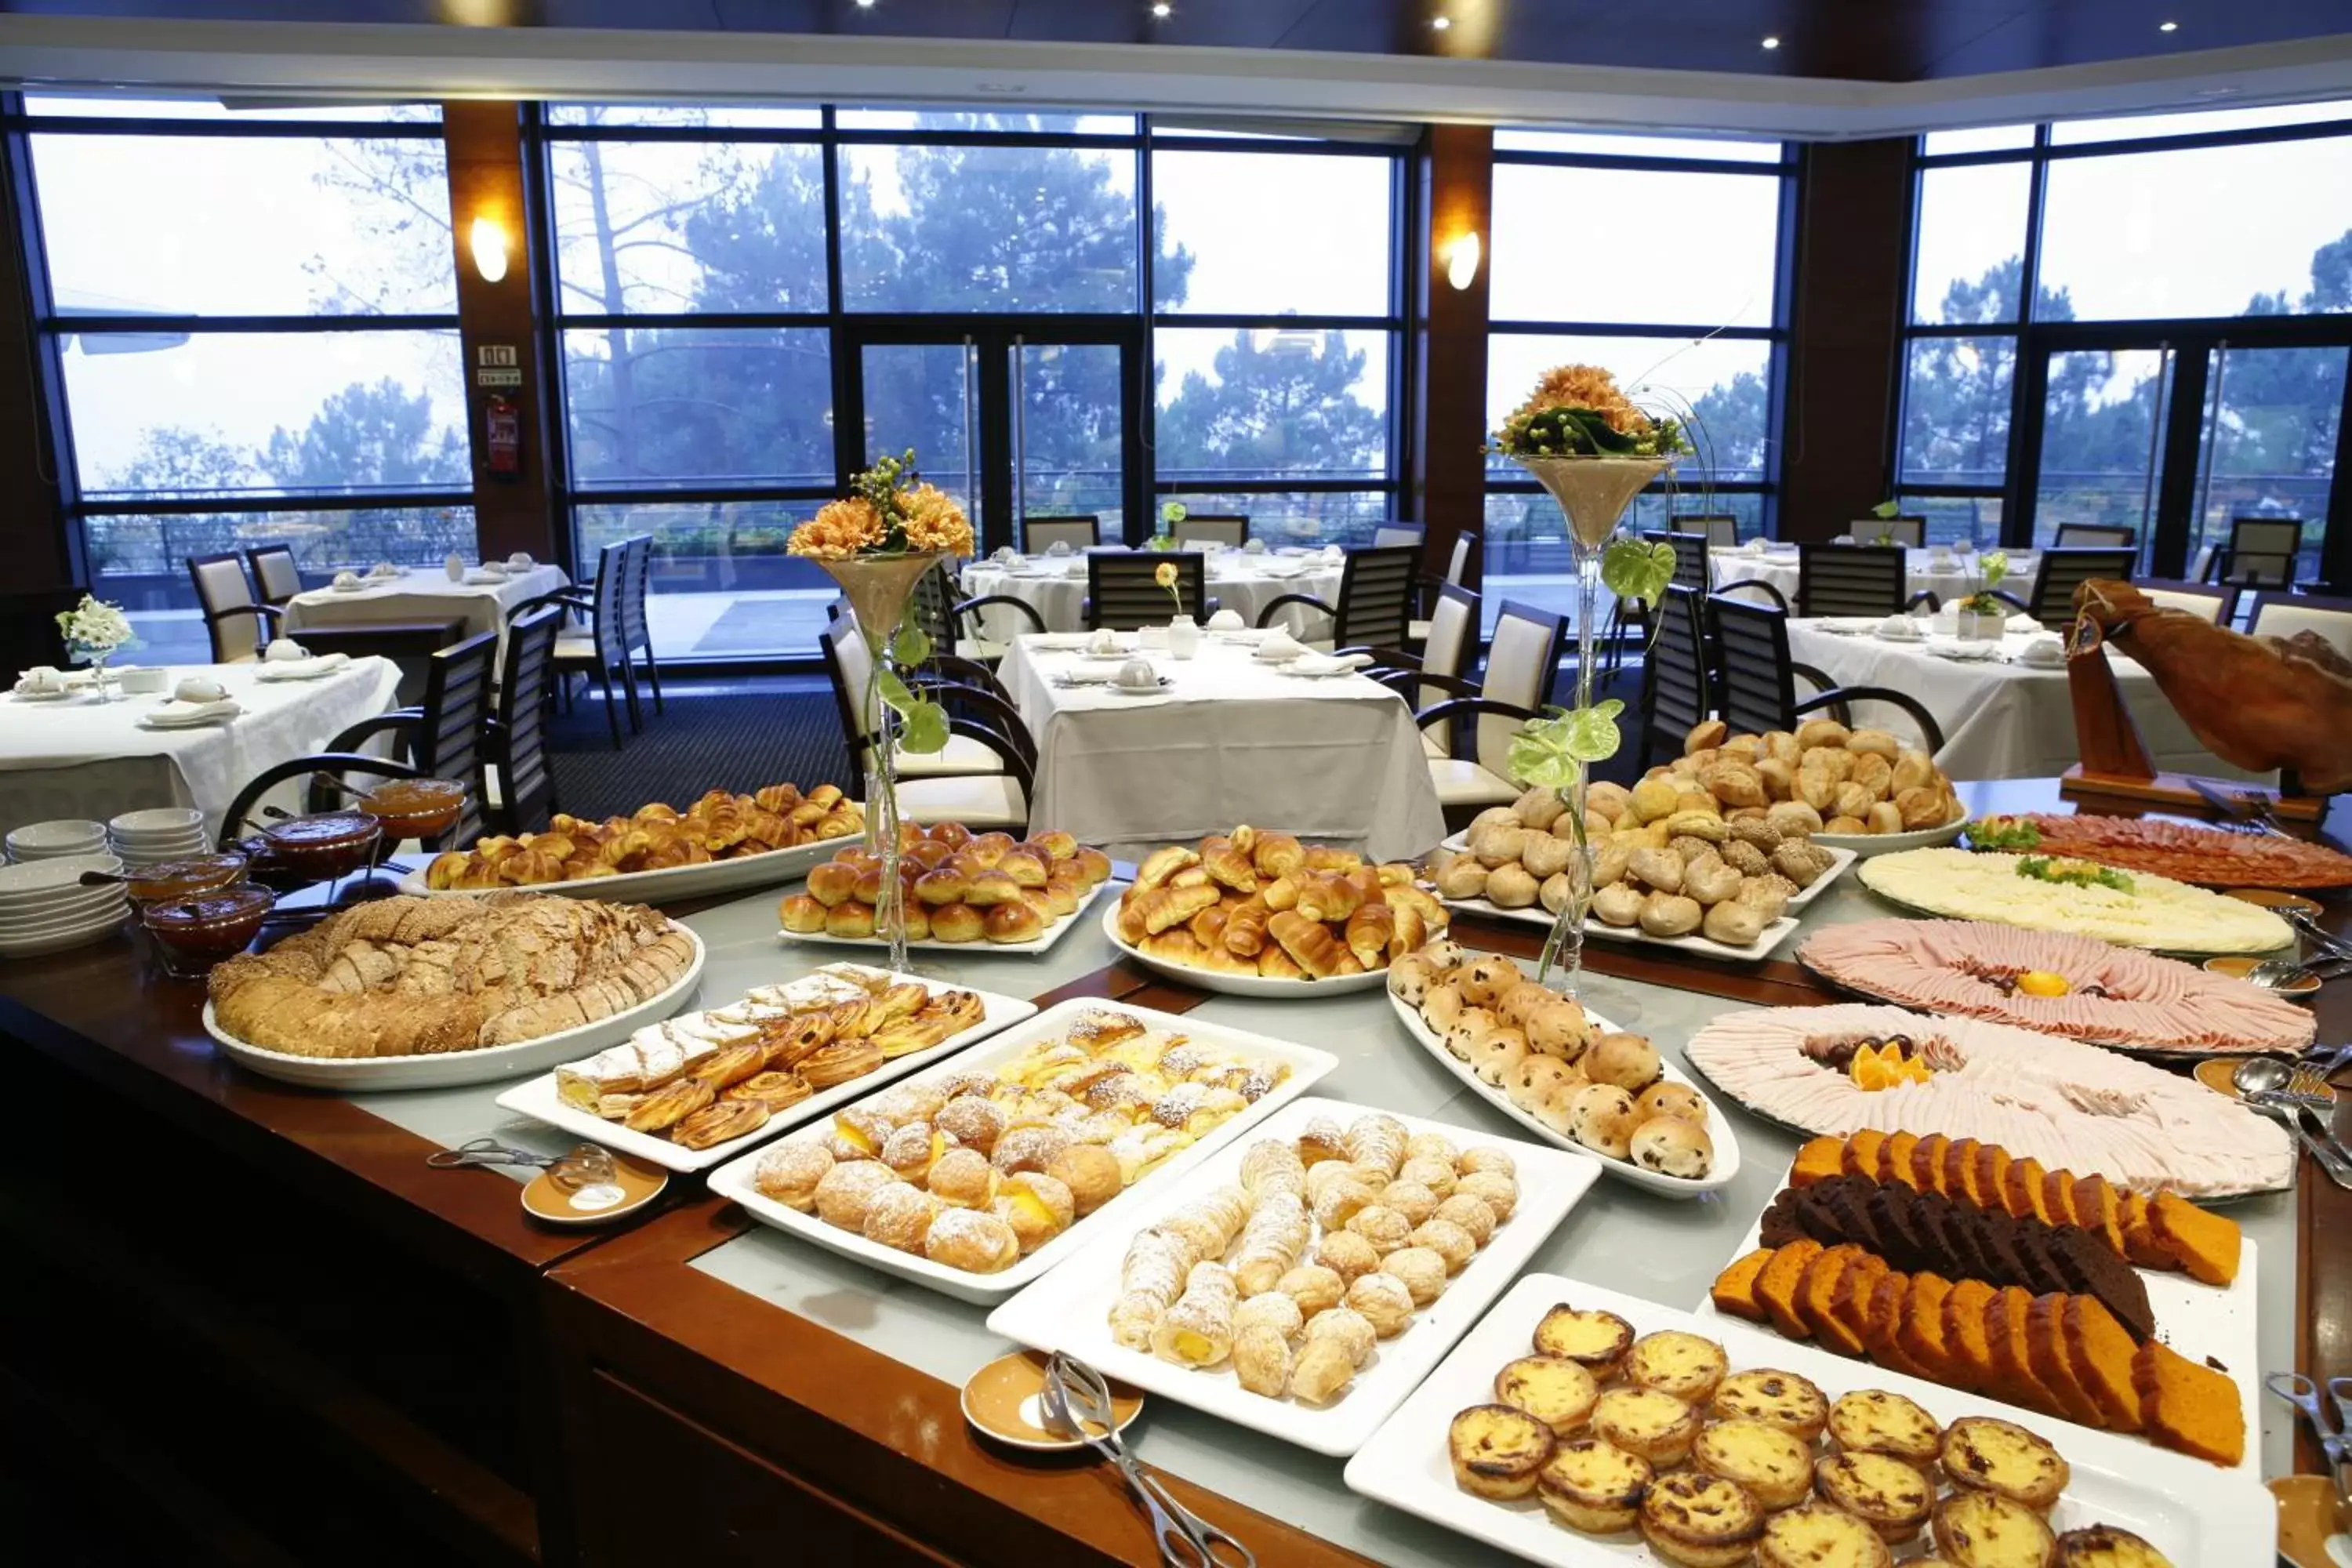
x=927, y=730
x=911, y=647
x=1886, y=509
x=1632, y=569
x=1555, y=750
x=894, y=690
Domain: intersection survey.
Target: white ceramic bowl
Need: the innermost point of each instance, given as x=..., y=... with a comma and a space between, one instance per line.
x=36, y=881
x=23, y=856
x=56, y=836
x=178, y=844
x=156, y=820
x=101, y=920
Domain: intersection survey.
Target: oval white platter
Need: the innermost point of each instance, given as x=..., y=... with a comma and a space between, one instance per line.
x=1068, y=1311
x=1705, y=947
x=1868, y=844
x=1726, y=1143
x=745, y=871
x=1242, y=984
x=1844, y=859
x=449, y=1070
x=1039, y=943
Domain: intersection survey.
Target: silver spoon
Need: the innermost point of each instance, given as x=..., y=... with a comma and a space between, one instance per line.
x=2262, y=1083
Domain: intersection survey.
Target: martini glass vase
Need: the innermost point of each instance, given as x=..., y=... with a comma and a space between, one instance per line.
x=1592, y=493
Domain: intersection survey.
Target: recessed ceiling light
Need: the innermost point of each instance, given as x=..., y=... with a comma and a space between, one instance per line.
x=1440, y=23
x=1163, y=10
x=2167, y=27
x=865, y=4
x=1771, y=40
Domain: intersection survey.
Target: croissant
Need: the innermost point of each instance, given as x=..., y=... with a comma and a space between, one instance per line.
x=1228, y=864
x=445, y=868
x=1340, y=860
x=825, y=796
x=777, y=797
x=1328, y=898
x=1208, y=927
x=1282, y=893
x=1245, y=930
x=1161, y=908
x=1308, y=942
x=1161, y=864
x=1177, y=946
x=532, y=866
x=1369, y=930
x=1276, y=854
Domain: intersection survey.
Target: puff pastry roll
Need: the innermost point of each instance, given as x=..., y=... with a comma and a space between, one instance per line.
x=1151, y=1278
x=1262, y=1362
x=1211, y=1222
x=1197, y=1330
x=1377, y=1140
x=1276, y=1234
x=1322, y=1372
x=1273, y=1166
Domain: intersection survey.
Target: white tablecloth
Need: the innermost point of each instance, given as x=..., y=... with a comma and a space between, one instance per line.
x=79, y=758
x=2001, y=720
x=1950, y=580
x=1334, y=759
x=1055, y=588
x=424, y=594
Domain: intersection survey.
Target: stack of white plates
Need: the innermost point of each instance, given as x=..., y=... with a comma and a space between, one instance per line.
x=48, y=840
x=44, y=908
x=164, y=833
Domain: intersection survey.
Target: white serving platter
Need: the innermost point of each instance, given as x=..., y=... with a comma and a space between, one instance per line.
x=1869, y=844
x=538, y=1099
x=1041, y=943
x=1242, y=984
x=1068, y=1309
x=2184, y=1508
x=733, y=1180
x=671, y=882
x=449, y=1070
x=1844, y=856
x=2203, y=1323
x=1719, y=1130
x=1773, y=936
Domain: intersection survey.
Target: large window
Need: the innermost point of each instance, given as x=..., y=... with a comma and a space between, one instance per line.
x=1659, y=260
x=2190, y=278
x=255, y=317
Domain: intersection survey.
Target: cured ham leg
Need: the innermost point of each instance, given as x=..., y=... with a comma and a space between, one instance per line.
x=2259, y=702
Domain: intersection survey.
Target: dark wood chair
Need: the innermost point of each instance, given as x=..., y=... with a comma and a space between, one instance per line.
x=1390, y=535
x=1632, y=614
x=2262, y=552
x=2282, y=615
x=1757, y=690
x=518, y=780
x=445, y=736
x=1853, y=580
x=637, y=636
x=1230, y=529
x=1122, y=594
x=1376, y=594
x=243, y=818
x=993, y=798
x=2216, y=602
x=2058, y=572
x=238, y=624
x=597, y=652
x=275, y=573
x=1721, y=527
x=1677, y=681
x=1078, y=531
x=2093, y=535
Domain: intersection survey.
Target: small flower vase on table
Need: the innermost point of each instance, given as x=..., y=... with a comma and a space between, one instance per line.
x=93, y=632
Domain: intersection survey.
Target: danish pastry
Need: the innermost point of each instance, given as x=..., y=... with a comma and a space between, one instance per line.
x=719, y=1123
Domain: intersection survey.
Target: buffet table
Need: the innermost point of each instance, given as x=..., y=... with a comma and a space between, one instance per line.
x=82, y=758
x=476, y=1375
x=1056, y=586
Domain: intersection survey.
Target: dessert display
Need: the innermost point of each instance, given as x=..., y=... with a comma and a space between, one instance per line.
x=416, y=808
x=1666, y=861
x=656, y=838
x=975, y=1169
x=1263, y=905
x=2060, y=1102
x=701, y=1080
x=1954, y=1261
x=2041, y=893
x=956, y=887
x=2057, y=982
x=2184, y=851
x=402, y=976
x=195, y=932
x=1709, y=1481
x=1538, y=1053
x=1329, y=1243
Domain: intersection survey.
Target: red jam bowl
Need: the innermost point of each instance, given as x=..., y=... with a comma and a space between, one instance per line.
x=170, y=880
x=324, y=844
x=416, y=808
x=193, y=934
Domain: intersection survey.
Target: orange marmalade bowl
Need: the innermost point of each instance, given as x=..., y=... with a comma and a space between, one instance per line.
x=416, y=808
x=325, y=844
x=193, y=934
x=169, y=879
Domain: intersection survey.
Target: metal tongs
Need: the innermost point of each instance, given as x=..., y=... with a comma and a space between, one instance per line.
x=583, y=1165
x=1077, y=1401
x=2335, y=1437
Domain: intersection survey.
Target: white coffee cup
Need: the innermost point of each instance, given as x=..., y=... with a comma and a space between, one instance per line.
x=347, y=579
x=43, y=677
x=197, y=688
x=520, y=561
x=1137, y=674
x=1151, y=636
x=144, y=680
x=284, y=650
x=1227, y=621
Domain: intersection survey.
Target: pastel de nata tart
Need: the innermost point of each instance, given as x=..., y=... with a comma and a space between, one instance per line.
x=1673, y=1361
x=1658, y=1427
x=1593, y=1485
x=1891, y=1497
x=1874, y=1421
x=1984, y=1530
x=1701, y=1522
x=1776, y=1467
x=1496, y=1450
x=1820, y=1538
x=1597, y=1339
x=1555, y=1391
x=1983, y=1453
x=1783, y=1399
x=2105, y=1546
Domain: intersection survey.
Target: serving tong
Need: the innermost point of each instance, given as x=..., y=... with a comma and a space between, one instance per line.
x=582, y=1166
x=1077, y=1401
x=2335, y=1435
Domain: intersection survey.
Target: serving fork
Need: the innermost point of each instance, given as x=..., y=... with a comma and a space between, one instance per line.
x=1077, y=1400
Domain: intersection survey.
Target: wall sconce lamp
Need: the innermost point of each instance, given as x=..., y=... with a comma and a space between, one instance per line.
x=1462, y=259
x=490, y=242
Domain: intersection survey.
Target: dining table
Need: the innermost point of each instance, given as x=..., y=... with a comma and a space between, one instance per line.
x=481, y=600
x=77, y=756
x=1245, y=582
x=1949, y=574
x=2003, y=716
x=1228, y=739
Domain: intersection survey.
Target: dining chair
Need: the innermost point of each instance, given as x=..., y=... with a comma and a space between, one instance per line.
x=1908, y=530
x=1375, y=593
x=2058, y=572
x=2279, y=615
x=1690, y=571
x=1121, y=593
x=1460, y=563
x=993, y=795
x=2261, y=552
x=958, y=625
x=243, y=816
x=1721, y=527
x=1677, y=685
x=1439, y=669
x=1756, y=679
x=2213, y=603
x=274, y=573
x=1390, y=535
x=1039, y=534
x=598, y=651
x=1230, y=529
x=637, y=636
x=237, y=623
x=1853, y=580
x=519, y=782
x=1521, y=662
x=2088, y=534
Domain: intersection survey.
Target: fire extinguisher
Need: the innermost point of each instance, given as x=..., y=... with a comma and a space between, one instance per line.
x=503, y=431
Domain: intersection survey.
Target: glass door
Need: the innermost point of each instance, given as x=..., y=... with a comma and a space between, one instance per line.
x=925, y=395
x=2103, y=427
x=2266, y=446
x=1069, y=433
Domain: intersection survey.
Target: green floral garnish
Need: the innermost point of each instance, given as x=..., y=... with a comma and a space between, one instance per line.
x=1172, y=513
x=2004, y=833
x=1554, y=750
x=924, y=723
x=2073, y=873
x=1632, y=569
x=1993, y=570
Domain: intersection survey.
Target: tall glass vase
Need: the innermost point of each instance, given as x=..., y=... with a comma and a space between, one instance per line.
x=1592, y=493
x=879, y=588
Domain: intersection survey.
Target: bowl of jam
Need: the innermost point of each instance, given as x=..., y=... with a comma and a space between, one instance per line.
x=168, y=879
x=192, y=934
x=416, y=808
x=324, y=844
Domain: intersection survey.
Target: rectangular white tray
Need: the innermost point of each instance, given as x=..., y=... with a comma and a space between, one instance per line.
x=672, y=882
x=1068, y=1309
x=2198, y=1320
x=1774, y=935
x=2184, y=1508
x=536, y=1098
x=1041, y=943
x=734, y=1179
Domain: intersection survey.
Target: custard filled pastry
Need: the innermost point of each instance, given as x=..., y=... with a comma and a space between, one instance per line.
x=1197, y=1328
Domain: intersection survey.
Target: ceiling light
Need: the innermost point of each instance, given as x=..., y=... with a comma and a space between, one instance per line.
x=865, y=4
x=1162, y=9
x=1771, y=40
x=1440, y=23
x=2167, y=27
